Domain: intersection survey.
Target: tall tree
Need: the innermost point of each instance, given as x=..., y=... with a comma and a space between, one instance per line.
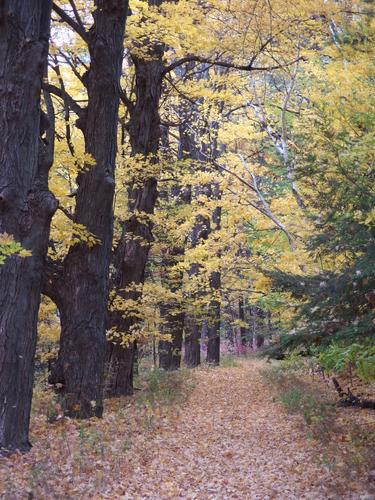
x=81, y=288
x=213, y=332
x=131, y=254
x=26, y=205
x=172, y=310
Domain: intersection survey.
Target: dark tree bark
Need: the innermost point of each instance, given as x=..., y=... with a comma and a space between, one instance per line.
x=193, y=325
x=213, y=346
x=192, y=356
x=170, y=352
x=213, y=333
x=85, y=277
x=26, y=205
x=241, y=315
x=131, y=255
x=200, y=232
x=257, y=315
x=202, y=228
x=173, y=313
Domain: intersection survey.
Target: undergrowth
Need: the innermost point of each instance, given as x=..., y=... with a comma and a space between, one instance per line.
x=346, y=437
x=312, y=402
x=160, y=388
x=229, y=361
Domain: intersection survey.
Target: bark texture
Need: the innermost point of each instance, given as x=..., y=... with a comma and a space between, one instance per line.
x=84, y=282
x=242, y=318
x=133, y=249
x=213, y=333
x=201, y=230
x=26, y=205
x=171, y=313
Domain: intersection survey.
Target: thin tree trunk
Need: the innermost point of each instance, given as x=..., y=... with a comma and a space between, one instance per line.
x=26, y=206
x=213, y=347
x=80, y=365
x=199, y=232
x=241, y=315
x=171, y=314
x=192, y=356
x=170, y=352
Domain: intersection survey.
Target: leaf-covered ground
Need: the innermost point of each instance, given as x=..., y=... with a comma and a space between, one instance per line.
x=228, y=440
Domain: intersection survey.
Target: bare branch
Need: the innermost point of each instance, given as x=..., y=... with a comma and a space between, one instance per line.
x=65, y=97
x=224, y=64
x=266, y=207
x=72, y=67
x=66, y=212
x=76, y=14
x=79, y=29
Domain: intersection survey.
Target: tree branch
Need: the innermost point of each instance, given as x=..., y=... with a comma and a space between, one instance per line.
x=52, y=284
x=52, y=89
x=78, y=28
x=76, y=14
x=224, y=64
x=66, y=212
x=266, y=206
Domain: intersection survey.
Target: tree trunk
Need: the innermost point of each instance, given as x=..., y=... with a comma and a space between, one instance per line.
x=192, y=356
x=26, y=206
x=171, y=313
x=241, y=315
x=80, y=366
x=132, y=252
x=170, y=352
x=258, y=339
x=213, y=347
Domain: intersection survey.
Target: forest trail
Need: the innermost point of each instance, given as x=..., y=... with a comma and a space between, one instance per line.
x=228, y=441
x=233, y=443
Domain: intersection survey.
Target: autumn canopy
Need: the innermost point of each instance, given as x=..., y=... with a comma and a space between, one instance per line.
x=180, y=180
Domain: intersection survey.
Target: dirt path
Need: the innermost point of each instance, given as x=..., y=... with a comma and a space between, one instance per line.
x=232, y=444
x=228, y=441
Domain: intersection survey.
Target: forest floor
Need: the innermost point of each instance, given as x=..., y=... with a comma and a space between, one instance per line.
x=227, y=438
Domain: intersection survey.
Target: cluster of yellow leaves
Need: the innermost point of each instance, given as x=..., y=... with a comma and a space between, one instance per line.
x=238, y=32
x=8, y=246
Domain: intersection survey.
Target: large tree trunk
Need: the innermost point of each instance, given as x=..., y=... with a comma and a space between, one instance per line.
x=26, y=206
x=132, y=252
x=80, y=365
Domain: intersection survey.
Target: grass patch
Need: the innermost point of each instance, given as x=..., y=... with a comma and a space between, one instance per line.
x=229, y=361
x=299, y=397
x=161, y=388
x=346, y=436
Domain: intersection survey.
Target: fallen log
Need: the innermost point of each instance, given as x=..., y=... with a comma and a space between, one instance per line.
x=349, y=399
